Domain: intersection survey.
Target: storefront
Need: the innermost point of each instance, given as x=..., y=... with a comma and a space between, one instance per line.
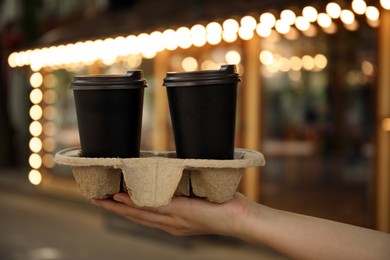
x=314, y=99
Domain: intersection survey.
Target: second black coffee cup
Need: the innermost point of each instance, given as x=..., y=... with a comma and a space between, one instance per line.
x=202, y=106
x=109, y=113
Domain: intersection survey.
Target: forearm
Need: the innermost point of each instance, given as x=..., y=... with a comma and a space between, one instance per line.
x=304, y=237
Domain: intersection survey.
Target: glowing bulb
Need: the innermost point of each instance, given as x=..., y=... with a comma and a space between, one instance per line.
x=295, y=63
x=266, y=57
x=189, y=64
x=359, y=6
x=308, y=62
x=333, y=10
x=372, y=13
x=245, y=33
x=49, y=144
x=198, y=35
x=320, y=61
x=48, y=160
x=35, y=128
x=12, y=60
x=310, y=13
x=170, y=40
x=288, y=16
x=35, y=177
x=229, y=36
x=347, y=16
x=230, y=25
x=36, y=96
x=302, y=23
x=248, y=22
x=268, y=19
x=35, y=161
x=36, y=80
x=183, y=35
x=367, y=68
x=263, y=30
x=233, y=57
x=36, y=112
x=324, y=20
x=385, y=4
x=282, y=27
x=35, y=144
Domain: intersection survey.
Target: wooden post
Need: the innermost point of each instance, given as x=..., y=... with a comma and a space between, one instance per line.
x=251, y=88
x=160, y=111
x=382, y=182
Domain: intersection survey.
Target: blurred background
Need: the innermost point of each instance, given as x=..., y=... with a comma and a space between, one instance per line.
x=314, y=99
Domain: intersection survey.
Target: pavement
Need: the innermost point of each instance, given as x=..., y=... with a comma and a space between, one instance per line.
x=55, y=222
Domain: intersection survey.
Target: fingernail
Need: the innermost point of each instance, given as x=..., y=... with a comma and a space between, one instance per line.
x=117, y=198
x=95, y=202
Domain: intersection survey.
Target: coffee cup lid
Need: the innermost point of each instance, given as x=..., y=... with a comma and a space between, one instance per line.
x=227, y=74
x=132, y=79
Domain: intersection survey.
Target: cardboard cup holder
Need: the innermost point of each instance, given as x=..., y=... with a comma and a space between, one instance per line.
x=155, y=177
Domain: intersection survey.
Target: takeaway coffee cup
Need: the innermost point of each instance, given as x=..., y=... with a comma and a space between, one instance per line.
x=109, y=113
x=202, y=106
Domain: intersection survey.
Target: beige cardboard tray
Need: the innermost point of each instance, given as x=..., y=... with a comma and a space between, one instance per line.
x=154, y=178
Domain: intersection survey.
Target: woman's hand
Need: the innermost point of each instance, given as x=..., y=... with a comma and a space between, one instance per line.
x=183, y=216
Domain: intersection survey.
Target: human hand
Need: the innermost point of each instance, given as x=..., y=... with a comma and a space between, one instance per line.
x=184, y=216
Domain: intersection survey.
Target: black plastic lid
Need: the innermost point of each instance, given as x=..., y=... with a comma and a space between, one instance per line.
x=227, y=74
x=132, y=79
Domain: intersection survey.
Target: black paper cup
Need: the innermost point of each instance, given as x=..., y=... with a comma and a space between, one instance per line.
x=109, y=114
x=202, y=106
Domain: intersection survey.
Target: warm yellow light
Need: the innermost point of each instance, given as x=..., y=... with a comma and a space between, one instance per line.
x=292, y=34
x=48, y=160
x=169, y=40
x=134, y=61
x=183, y=35
x=354, y=26
x=35, y=144
x=320, y=61
x=156, y=39
x=248, y=22
x=295, y=63
x=311, y=32
x=245, y=33
x=347, y=16
x=324, y=20
x=133, y=44
x=214, y=33
x=49, y=112
x=372, y=13
x=229, y=36
x=359, y=6
x=285, y=64
x=386, y=124
x=295, y=75
x=189, y=64
x=310, y=13
x=36, y=112
x=282, y=27
x=273, y=67
x=35, y=177
x=35, y=161
x=308, y=62
x=12, y=60
x=268, y=19
x=233, y=57
x=332, y=29
x=367, y=68
x=49, y=128
x=49, y=144
x=35, y=128
x=333, y=10
x=50, y=80
x=230, y=25
x=49, y=96
x=36, y=80
x=266, y=57
x=36, y=96
x=288, y=16
x=385, y=4
x=263, y=30
x=302, y=23
x=198, y=35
